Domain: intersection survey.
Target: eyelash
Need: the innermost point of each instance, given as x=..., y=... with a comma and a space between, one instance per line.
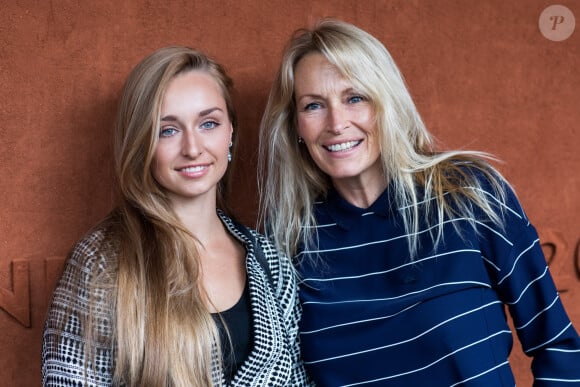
x=312, y=106
x=213, y=124
x=351, y=100
x=359, y=98
x=163, y=132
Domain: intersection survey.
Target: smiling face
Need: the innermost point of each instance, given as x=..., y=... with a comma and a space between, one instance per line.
x=337, y=123
x=195, y=131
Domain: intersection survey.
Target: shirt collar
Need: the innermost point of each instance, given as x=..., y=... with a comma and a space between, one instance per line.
x=344, y=214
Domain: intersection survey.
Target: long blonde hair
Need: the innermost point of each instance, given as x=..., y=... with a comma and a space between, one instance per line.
x=163, y=331
x=290, y=181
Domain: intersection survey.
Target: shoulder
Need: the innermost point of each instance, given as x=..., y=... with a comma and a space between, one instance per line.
x=477, y=181
x=467, y=173
x=92, y=255
x=490, y=182
x=86, y=281
x=496, y=204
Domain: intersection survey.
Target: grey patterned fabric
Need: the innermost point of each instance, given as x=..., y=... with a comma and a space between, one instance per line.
x=273, y=361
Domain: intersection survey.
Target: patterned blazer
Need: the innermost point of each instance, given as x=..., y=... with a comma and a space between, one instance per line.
x=273, y=361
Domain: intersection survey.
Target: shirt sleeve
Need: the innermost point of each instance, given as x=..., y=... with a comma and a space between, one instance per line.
x=524, y=283
x=65, y=357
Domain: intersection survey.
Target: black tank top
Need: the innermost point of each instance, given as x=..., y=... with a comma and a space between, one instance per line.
x=238, y=320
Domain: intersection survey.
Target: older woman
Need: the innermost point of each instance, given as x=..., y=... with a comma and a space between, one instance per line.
x=407, y=255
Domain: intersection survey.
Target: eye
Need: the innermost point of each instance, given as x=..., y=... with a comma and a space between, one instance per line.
x=356, y=99
x=167, y=131
x=209, y=124
x=312, y=106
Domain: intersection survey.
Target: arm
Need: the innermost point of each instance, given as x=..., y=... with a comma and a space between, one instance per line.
x=525, y=285
x=66, y=358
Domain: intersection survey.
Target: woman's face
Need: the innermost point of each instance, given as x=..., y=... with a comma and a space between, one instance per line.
x=337, y=123
x=194, y=137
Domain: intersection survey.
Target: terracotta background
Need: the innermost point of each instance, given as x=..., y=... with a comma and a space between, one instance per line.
x=481, y=72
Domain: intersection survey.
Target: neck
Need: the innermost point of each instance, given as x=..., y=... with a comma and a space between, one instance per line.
x=361, y=194
x=199, y=217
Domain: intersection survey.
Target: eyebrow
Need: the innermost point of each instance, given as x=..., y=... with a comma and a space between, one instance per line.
x=348, y=90
x=202, y=113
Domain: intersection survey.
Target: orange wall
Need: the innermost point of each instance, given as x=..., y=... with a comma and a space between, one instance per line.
x=481, y=72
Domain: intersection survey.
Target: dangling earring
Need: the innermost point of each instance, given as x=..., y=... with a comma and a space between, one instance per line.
x=230, y=152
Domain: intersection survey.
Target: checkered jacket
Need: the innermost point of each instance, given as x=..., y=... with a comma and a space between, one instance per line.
x=273, y=361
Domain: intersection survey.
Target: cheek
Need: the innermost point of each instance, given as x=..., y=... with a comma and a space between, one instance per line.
x=368, y=122
x=159, y=161
x=307, y=127
x=158, y=156
x=366, y=117
x=220, y=147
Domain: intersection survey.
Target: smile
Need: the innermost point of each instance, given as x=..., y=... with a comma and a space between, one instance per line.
x=343, y=146
x=195, y=169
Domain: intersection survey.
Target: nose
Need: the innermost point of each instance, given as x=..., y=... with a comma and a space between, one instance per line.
x=337, y=118
x=190, y=145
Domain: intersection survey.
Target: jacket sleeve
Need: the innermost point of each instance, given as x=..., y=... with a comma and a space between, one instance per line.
x=525, y=285
x=287, y=292
x=66, y=359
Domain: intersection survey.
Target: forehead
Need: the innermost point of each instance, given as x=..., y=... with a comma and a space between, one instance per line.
x=314, y=62
x=193, y=79
x=314, y=72
x=194, y=87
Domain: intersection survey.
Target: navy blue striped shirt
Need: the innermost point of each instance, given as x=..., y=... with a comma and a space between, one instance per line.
x=372, y=317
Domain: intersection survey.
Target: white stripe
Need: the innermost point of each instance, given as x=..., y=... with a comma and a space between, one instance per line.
x=421, y=202
x=563, y=350
x=528, y=286
x=560, y=380
x=312, y=279
x=483, y=284
x=429, y=365
x=319, y=226
x=491, y=263
x=539, y=313
x=495, y=232
x=415, y=337
x=552, y=339
x=497, y=201
x=359, y=321
x=352, y=247
x=516, y=213
x=398, y=237
x=481, y=374
x=516, y=261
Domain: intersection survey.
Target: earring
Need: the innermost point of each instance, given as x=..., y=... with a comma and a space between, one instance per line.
x=300, y=140
x=230, y=152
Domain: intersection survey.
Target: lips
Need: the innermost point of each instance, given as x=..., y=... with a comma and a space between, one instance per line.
x=342, y=146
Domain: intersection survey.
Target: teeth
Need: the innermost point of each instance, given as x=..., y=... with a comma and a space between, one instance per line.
x=193, y=169
x=343, y=146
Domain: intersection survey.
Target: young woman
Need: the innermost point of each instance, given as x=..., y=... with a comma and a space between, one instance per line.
x=169, y=290
x=407, y=255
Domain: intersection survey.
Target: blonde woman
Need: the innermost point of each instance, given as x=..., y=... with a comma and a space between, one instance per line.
x=169, y=290
x=407, y=255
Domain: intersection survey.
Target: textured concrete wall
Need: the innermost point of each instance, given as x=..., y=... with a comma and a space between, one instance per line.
x=482, y=73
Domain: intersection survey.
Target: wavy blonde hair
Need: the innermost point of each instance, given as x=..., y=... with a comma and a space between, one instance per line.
x=163, y=331
x=290, y=181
